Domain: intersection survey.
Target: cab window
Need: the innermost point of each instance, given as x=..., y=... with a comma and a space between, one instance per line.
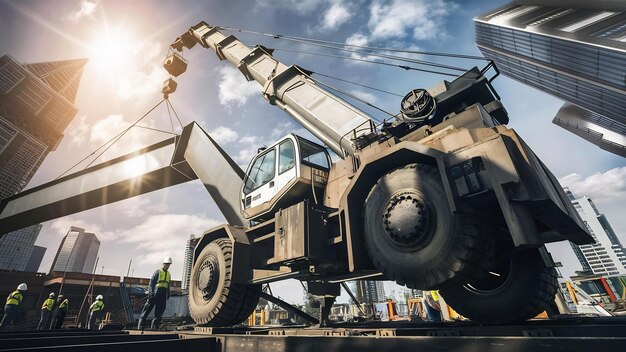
x=286, y=156
x=261, y=172
x=313, y=155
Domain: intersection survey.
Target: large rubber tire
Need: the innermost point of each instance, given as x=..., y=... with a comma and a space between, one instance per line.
x=525, y=288
x=412, y=236
x=214, y=300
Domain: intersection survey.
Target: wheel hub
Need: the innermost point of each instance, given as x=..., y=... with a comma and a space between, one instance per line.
x=208, y=277
x=406, y=219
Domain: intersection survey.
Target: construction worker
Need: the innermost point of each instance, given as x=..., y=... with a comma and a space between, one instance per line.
x=12, y=306
x=61, y=312
x=433, y=307
x=158, y=293
x=95, y=313
x=46, y=312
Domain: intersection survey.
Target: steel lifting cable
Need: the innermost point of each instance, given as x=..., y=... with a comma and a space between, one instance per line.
x=110, y=143
x=358, y=84
x=175, y=114
x=391, y=57
x=368, y=61
x=339, y=44
x=354, y=97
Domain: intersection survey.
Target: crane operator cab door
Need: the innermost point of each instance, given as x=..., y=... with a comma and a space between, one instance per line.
x=288, y=172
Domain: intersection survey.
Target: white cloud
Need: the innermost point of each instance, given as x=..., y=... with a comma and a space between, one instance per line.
x=138, y=207
x=105, y=129
x=358, y=39
x=224, y=135
x=61, y=227
x=601, y=187
x=423, y=19
x=145, y=76
x=86, y=9
x=164, y=234
x=78, y=134
x=368, y=97
x=233, y=87
x=301, y=7
x=336, y=15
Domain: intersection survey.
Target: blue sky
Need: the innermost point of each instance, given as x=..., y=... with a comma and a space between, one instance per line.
x=127, y=41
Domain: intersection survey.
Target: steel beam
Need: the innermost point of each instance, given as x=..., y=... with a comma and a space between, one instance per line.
x=193, y=154
x=288, y=307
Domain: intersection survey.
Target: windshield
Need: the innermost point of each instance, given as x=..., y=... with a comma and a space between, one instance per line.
x=261, y=172
x=313, y=154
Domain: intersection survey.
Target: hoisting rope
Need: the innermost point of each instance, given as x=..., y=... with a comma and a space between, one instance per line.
x=108, y=144
x=404, y=67
x=340, y=45
x=367, y=54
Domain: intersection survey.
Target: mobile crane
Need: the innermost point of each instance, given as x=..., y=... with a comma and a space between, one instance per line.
x=446, y=197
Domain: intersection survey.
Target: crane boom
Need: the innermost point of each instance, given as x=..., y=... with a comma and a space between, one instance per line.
x=329, y=118
x=187, y=157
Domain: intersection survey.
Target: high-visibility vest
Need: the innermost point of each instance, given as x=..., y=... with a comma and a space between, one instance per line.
x=435, y=295
x=64, y=304
x=48, y=304
x=164, y=279
x=97, y=306
x=15, y=298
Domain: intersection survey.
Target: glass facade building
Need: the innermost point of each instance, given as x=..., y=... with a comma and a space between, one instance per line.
x=36, y=105
x=606, y=256
x=34, y=262
x=17, y=247
x=77, y=253
x=574, y=50
x=369, y=291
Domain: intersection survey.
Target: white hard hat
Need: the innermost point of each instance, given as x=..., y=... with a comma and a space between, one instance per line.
x=52, y=295
x=99, y=297
x=167, y=260
x=22, y=287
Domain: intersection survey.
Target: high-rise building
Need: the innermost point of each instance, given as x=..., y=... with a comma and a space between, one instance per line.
x=34, y=262
x=78, y=252
x=369, y=291
x=606, y=256
x=16, y=248
x=572, y=49
x=189, y=247
x=36, y=105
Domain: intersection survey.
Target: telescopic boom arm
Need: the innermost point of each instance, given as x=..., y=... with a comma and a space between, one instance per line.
x=329, y=118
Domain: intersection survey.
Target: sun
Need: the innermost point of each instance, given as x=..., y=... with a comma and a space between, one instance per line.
x=112, y=50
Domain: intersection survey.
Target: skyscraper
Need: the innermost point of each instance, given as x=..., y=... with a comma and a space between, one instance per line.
x=36, y=105
x=78, y=252
x=191, y=245
x=369, y=291
x=16, y=248
x=606, y=256
x=34, y=262
x=572, y=49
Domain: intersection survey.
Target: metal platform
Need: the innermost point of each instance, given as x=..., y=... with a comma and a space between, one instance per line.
x=572, y=334
x=103, y=341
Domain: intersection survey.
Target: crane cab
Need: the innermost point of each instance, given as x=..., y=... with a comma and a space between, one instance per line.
x=289, y=171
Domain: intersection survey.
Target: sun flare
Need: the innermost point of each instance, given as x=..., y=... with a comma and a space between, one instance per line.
x=113, y=51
